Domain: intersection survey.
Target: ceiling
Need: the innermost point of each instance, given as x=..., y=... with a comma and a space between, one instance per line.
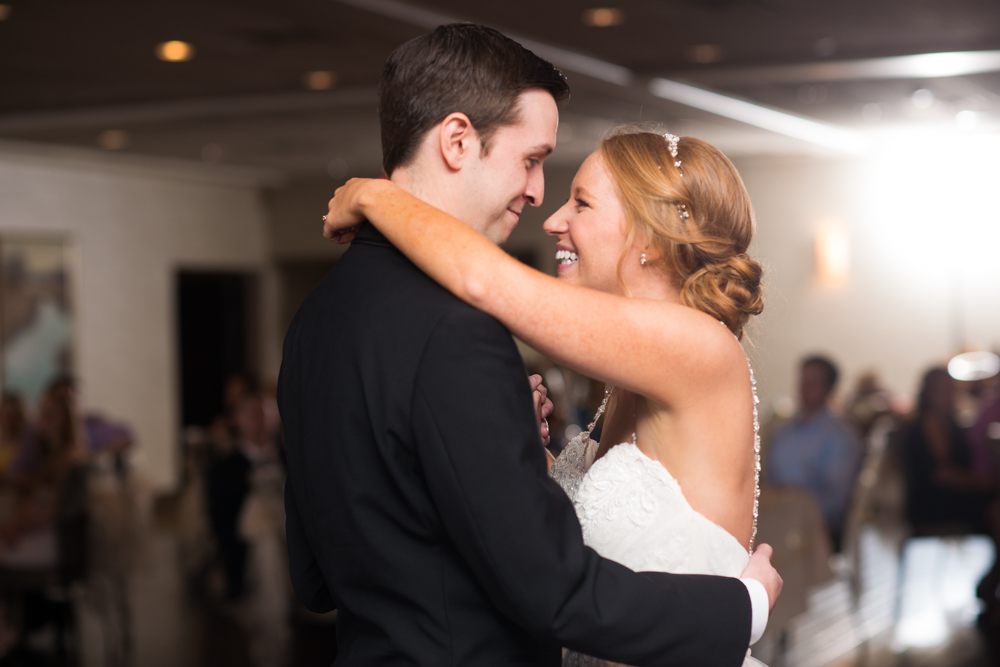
x=71, y=71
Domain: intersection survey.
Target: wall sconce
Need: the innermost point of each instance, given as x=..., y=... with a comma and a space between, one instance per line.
x=833, y=255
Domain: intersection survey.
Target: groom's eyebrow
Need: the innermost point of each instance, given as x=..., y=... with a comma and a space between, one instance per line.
x=541, y=149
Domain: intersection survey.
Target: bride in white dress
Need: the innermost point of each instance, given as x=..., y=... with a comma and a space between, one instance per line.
x=654, y=290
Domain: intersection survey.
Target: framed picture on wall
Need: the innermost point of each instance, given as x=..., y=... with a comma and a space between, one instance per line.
x=36, y=313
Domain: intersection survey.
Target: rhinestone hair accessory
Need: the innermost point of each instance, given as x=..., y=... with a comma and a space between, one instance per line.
x=672, y=141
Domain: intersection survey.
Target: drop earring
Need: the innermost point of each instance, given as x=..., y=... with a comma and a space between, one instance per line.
x=642, y=260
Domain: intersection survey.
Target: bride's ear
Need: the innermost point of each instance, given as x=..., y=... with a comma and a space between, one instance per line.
x=459, y=140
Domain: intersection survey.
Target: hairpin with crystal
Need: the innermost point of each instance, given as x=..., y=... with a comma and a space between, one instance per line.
x=672, y=141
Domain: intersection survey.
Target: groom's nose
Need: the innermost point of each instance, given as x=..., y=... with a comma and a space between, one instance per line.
x=534, y=192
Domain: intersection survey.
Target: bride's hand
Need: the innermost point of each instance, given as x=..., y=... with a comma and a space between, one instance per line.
x=543, y=406
x=345, y=216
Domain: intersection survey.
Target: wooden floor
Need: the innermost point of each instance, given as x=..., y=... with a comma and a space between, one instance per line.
x=917, y=610
x=917, y=607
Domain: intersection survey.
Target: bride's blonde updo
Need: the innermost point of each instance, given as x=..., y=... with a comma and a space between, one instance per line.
x=705, y=252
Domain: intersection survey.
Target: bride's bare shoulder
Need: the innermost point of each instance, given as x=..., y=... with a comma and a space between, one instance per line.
x=699, y=339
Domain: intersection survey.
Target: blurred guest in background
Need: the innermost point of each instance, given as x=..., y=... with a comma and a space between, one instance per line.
x=28, y=536
x=44, y=531
x=944, y=487
x=946, y=494
x=246, y=511
x=984, y=436
x=869, y=401
x=815, y=450
x=15, y=437
x=222, y=430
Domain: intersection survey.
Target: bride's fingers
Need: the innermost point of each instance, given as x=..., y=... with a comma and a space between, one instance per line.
x=340, y=235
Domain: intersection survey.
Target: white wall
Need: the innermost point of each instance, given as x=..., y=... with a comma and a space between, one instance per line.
x=135, y=222
x=896, y=313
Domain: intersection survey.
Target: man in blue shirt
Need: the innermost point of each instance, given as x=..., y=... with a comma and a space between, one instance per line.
x=816, y=451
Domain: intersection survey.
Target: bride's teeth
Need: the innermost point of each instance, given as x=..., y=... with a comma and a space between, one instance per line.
x=566, y=256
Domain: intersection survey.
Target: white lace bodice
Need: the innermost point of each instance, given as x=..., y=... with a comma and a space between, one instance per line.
x=632, y=510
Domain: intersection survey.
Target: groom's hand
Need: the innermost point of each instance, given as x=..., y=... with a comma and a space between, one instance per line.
x=543, y=406
x=760, y=568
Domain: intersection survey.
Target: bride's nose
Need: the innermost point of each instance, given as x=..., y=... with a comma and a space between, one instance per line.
x=557, y=222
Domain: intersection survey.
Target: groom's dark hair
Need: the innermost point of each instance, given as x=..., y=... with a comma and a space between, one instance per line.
x=460, y=67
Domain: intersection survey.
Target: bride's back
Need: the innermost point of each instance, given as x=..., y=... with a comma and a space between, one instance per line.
x=687, y=202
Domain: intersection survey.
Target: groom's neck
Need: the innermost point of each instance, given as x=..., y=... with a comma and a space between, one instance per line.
x=437, y=192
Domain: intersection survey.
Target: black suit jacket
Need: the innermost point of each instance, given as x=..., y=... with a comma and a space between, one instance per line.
x=418, y=503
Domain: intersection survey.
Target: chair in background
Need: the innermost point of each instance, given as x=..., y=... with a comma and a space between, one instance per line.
x=43, y=598
x=792, y=523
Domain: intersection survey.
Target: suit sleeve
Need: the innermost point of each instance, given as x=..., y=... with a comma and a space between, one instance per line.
x=307, y=579
x=482, y=456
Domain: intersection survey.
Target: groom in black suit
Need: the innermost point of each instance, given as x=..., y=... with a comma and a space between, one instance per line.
x=417, y=501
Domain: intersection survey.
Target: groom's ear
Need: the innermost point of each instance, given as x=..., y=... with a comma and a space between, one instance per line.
x=459, y=140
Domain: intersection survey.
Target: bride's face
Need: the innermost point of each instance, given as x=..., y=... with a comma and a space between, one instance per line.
x=590, y=229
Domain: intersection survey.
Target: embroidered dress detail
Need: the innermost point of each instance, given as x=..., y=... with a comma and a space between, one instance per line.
x=633, y=511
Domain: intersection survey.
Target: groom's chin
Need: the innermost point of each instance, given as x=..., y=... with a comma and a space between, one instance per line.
x=500, y=232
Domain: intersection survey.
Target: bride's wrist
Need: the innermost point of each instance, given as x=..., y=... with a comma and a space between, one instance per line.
x=370, y=193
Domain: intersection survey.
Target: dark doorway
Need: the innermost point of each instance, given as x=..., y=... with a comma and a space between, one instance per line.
x=216, y=318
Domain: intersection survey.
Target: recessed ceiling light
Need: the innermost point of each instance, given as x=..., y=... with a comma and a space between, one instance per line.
x=4, y=11
x=113, y=140
x=174, y=51
x=922, y=99
x=603, y=17
x=807, y=94
x=825, y=47
x=319, y=80
x=967, y=119
x=703, y=54
x=871, y=112
x=212, y=153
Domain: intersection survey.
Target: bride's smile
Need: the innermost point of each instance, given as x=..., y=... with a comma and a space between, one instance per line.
x=590, y=228
x=565, y=257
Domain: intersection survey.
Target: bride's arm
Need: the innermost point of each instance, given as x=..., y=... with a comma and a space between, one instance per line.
x=651, y=347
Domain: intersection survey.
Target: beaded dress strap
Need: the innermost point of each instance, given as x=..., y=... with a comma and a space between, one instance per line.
x=600, y=410
x=756, y=441
x=756, y=448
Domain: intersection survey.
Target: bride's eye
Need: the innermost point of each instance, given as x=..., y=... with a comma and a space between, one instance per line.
x=581, y=204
